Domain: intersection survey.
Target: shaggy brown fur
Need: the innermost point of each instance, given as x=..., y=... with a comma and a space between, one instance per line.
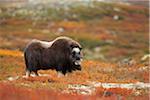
x=56, y=55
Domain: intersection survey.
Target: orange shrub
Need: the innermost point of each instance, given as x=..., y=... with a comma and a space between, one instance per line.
x=72, y=24
x=13, y=53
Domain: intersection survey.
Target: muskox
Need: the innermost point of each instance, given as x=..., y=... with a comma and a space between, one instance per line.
x=62, y=54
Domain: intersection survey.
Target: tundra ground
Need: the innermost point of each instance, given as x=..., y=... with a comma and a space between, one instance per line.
x=115, y=49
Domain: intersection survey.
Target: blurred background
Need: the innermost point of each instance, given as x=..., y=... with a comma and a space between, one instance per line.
x=108, y=30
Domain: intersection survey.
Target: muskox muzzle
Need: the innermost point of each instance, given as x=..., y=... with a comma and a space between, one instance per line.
x=77, y=57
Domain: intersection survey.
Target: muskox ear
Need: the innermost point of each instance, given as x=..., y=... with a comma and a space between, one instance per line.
x=80, y=48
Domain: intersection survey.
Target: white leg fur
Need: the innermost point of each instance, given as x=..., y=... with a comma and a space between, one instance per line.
x=27, y=74
x=36, y=73
x=59, y=74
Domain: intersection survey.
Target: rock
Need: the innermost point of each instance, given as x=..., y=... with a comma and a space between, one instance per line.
x=116, y=17
x=107, y=93
x=60, y=30
x=116, y=9
x=128, y=62
x=45, y=31
x=145, y=57
x=13, y=78
x=30, y=30
x=97, y=49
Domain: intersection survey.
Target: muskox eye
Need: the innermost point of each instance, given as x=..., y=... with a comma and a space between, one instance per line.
x=73, y=53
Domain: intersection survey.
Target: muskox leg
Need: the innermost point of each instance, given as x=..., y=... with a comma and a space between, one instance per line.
x=36, y=73
x=59, y=70
x=28, y=72
x=60, y=74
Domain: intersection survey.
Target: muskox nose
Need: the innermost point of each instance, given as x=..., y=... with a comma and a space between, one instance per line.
x=79, y=68
x=78, y=57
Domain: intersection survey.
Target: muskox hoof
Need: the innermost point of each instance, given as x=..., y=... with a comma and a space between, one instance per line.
x=59, y=74
x=36, y=73
x=27, y=74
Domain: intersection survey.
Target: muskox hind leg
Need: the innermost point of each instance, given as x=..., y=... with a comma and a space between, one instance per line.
x=28, y=72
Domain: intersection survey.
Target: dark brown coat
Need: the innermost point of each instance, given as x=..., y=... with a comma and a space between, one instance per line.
x=51, y=55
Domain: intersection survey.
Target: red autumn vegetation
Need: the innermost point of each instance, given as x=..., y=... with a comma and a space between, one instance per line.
x=113, y=49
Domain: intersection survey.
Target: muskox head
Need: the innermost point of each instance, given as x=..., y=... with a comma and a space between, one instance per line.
x=68, y=52
x=76, y=55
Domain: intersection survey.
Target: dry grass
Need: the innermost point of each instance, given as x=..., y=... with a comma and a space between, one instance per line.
x=15, y=53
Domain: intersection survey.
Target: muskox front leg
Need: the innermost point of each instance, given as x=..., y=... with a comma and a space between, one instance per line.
x=59, y=70
x=36, y=73
x=60, y=74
